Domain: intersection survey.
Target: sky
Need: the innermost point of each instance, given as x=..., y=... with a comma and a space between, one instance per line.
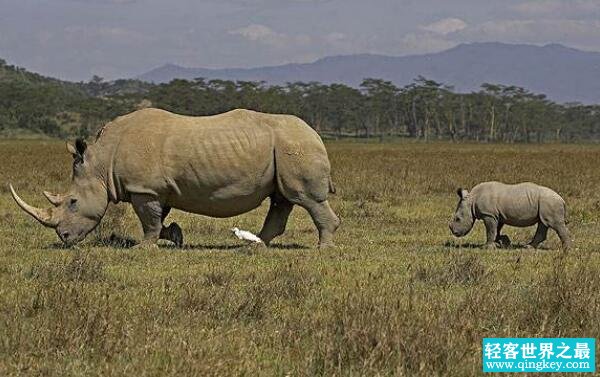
x=76, y=39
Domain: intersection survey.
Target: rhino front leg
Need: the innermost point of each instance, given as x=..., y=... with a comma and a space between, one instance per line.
x=491, y=231
x=498, y=230
x=172, y=232
x=151, y=214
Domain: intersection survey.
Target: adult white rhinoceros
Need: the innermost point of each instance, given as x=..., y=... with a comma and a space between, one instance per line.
x=218, y=166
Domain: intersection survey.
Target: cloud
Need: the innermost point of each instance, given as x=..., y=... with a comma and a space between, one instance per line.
x=335, y=38
x=421, y=43
x=531, y=30
x=432, y=37
x=256, y=32
x=561, y=8
x=94, y=35
x=267, y=36
x=445, y=26
x=106, y=2
x=255, y=3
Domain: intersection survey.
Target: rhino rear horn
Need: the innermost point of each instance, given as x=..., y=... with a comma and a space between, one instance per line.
x=44, y=216
x=55, y=199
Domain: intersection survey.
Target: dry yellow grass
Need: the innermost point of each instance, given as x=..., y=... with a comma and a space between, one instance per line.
x=398, y=296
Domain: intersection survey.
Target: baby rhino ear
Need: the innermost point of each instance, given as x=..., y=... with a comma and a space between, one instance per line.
x=462, y=193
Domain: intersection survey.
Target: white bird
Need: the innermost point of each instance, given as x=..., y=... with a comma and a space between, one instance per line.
x=246, y=236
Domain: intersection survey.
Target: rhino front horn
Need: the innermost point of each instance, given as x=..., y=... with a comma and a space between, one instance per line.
x=44, y=216
x=55, y=199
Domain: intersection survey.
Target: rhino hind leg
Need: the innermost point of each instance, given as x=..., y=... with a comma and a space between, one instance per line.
x=564, y=236
x=553, y=213
x=325, y=220
x=277, y=218
x=563, y=233
x=540, y=235
x=305, y=180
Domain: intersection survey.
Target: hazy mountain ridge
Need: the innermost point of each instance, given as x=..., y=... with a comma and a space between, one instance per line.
x=564, y=74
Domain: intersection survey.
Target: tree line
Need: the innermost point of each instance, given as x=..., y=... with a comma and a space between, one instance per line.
x=425, y=109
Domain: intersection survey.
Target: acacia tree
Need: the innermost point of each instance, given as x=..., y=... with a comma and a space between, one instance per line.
x=423, y=109
x=381, y=105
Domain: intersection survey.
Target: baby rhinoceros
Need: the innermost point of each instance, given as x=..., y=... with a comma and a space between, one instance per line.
x=521, y=205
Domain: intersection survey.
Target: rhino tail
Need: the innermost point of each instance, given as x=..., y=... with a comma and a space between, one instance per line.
x=331, y=186
x=566, y=214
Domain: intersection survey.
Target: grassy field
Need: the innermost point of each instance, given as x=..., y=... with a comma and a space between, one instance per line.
x=398, y=296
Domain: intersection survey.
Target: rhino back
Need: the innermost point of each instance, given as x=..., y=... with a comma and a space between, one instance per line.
x=516, y=205
x=195, y=163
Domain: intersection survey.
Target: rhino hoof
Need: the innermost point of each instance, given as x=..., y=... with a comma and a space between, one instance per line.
x=503, y=241
x=146, y=245
x=490, y=246
x=257, y=245
x=328, y=245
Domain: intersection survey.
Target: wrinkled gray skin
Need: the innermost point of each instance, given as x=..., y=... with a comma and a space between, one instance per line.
x=521, y=205
x=218, y=166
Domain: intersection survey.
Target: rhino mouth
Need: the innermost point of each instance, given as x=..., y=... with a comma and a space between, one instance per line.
x=72, y=238
x=68, y=240
x=457, y=233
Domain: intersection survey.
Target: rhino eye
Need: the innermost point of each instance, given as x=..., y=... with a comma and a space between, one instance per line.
x=72, y=204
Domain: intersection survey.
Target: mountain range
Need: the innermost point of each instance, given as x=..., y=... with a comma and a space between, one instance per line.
x=564, y=74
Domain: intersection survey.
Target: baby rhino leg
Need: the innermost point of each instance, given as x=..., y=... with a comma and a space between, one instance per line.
x=563, y=233
x=491, y=230
x=502, y=239
x=553, y=214
x=540, y=235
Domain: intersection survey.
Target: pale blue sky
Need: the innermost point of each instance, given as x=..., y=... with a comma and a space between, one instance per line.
x=75, y=39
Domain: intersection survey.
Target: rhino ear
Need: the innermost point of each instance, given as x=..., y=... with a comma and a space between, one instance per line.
x=71, y=148
x=81, y=146
x=77, y=149
x=462, y=193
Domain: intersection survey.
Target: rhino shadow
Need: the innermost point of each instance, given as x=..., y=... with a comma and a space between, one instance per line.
x=116, y=241
x=289, y=246
x=470, y=245
x=241, y=247
x=120, y=242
